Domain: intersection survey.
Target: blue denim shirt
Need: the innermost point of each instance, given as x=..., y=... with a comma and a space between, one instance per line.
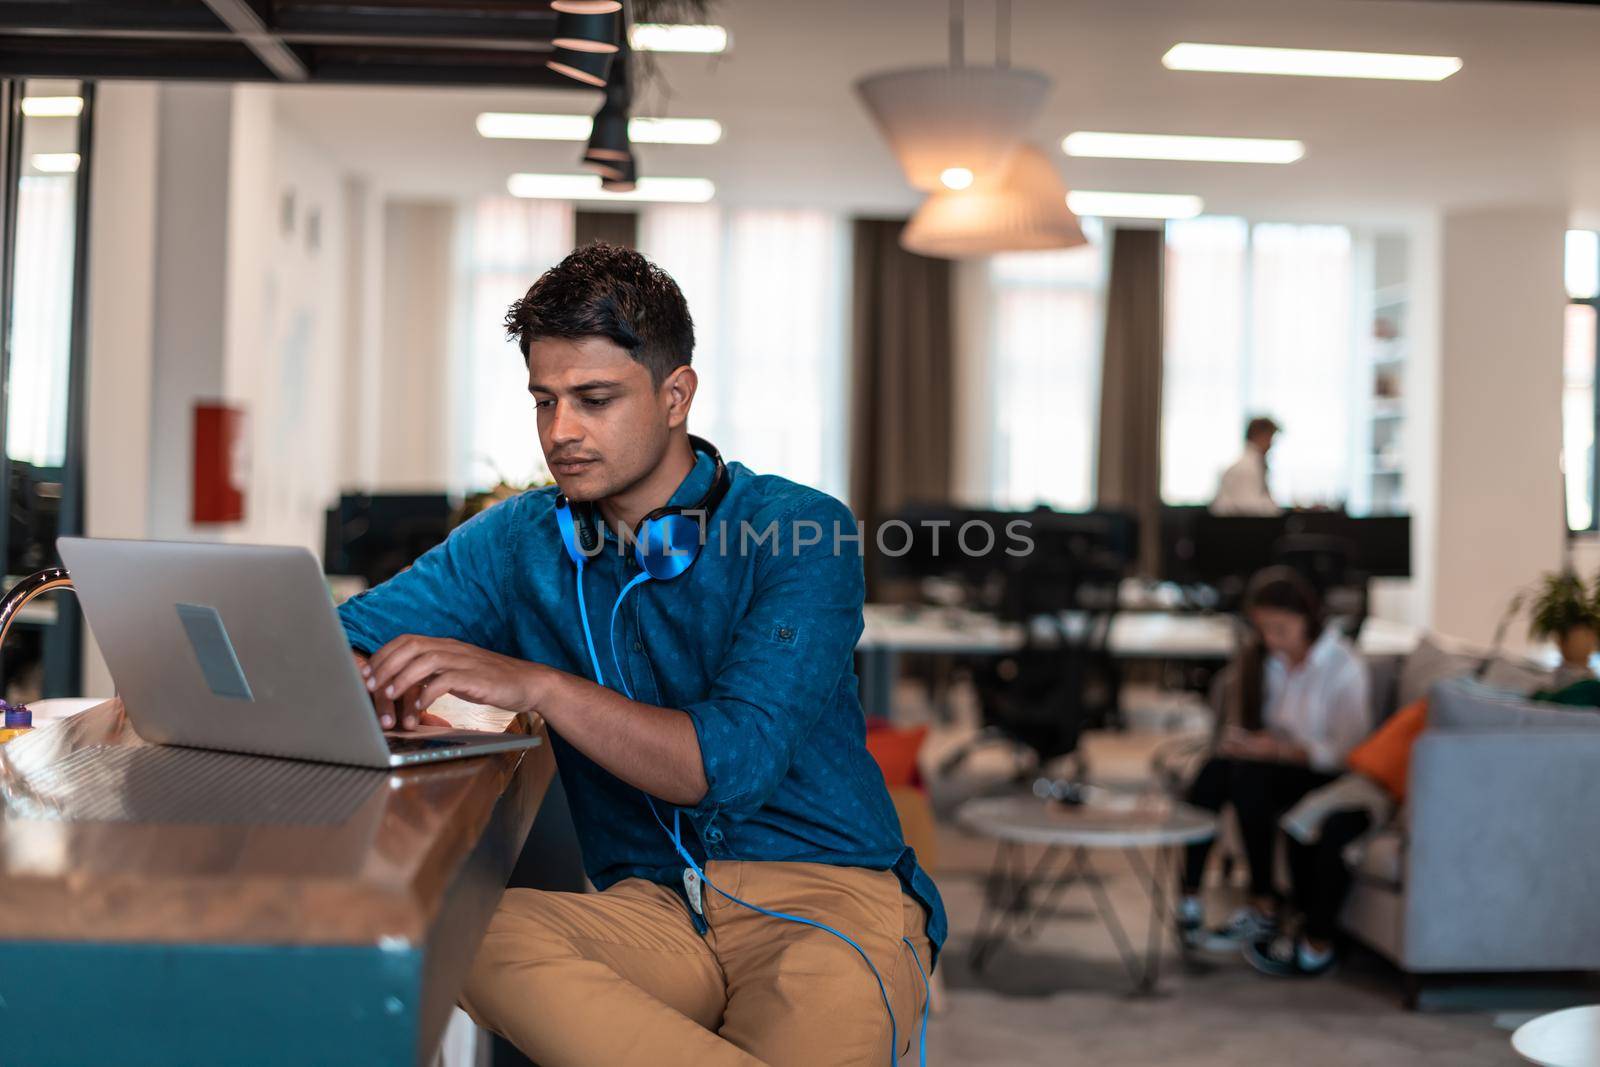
x=754, y=642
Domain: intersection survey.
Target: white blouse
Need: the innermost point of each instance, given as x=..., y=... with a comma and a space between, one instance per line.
x=1322, y=704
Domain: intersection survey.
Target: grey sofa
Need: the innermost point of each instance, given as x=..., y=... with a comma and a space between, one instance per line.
x=1494, y=863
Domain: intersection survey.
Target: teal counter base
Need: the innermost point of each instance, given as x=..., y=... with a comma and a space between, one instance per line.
x=74, y=1004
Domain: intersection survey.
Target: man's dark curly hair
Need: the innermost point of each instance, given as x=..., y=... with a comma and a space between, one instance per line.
x=603, y=290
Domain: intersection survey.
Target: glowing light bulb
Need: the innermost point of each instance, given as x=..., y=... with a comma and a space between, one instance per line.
x=956, y=177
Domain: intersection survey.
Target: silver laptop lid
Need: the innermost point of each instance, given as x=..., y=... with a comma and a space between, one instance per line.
x=224, y=646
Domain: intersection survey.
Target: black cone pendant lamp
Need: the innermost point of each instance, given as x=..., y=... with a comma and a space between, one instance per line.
x=590, y=68
x=609, y=138
x=620, y=176
x=586, y=33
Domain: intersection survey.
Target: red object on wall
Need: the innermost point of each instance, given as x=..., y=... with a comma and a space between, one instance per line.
x=221, y=462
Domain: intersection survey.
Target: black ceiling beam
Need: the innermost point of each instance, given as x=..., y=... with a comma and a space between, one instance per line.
x=246, y=22
x=223, y=60
x=477, y=18
x=109, y=15
x=403, y=66
x=425, y=42
x=45, y=57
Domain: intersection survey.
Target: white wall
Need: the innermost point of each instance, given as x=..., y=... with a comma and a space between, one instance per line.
x=119, y=346
x=363, y=328
x=246, y=309
x=284, y=355
x=202, y=287
x=191, y=243
x=414, y=411
x=1490, y=492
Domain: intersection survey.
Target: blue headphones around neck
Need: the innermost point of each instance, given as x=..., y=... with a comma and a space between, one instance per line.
x=666, y=543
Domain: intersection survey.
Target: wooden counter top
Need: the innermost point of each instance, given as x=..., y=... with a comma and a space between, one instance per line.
x=407, y=883
x=377, y=875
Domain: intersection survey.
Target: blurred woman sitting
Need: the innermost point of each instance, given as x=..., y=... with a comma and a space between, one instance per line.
x=1300, y=706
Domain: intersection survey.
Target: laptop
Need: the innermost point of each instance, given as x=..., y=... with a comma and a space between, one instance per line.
x=237, y=648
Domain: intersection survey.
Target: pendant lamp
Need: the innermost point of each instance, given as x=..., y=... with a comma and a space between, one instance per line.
x=621, y=176
x=590, y=68
x=586, y=33
x=955, y=117
x=1023, y=209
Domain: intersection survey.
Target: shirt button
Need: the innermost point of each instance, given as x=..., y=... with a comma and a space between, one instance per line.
x=637, y=647
x=713, y=834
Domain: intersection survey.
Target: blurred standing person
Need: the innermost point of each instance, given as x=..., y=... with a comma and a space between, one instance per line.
x=1243, y=487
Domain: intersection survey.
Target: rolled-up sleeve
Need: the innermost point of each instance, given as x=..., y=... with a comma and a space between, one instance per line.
x=456, y=589
x=787, y=655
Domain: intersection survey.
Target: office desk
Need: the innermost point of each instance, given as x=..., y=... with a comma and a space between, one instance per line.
x=890, y=630
x=167, y=943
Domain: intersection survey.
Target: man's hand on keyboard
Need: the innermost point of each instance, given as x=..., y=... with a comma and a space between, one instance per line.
x=398, y=712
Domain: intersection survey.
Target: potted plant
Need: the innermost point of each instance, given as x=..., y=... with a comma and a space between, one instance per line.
x=1568, y=614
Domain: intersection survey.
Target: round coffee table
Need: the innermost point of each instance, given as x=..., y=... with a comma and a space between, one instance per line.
x=1569, y=1038
x=1069, y=833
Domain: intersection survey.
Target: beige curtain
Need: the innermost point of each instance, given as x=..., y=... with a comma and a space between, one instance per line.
x=1129, y=471
x=901, y=392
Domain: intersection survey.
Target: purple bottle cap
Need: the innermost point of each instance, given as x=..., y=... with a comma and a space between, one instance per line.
x=18, y=717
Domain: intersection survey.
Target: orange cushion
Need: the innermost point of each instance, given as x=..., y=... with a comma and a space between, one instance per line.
x=1385, y=757
x=896, y=752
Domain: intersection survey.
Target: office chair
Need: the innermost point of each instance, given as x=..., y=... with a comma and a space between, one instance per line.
x=1040, y=699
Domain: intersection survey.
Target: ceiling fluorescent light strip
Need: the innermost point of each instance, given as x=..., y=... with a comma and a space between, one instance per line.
x=55, y=162
x=1162, y=146
x=647, y=130
x=1134, y=205
x=52, y=107
x=527, y=127
x=1308, y=62
x=666, y=37
x=587, y=187
x=642, y=130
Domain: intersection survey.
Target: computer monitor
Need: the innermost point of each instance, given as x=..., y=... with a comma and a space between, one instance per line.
x=975, y=545
x=376, y=536
x=1199, y=548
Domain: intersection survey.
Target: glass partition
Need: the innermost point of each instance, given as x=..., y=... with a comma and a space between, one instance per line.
x=46, y=207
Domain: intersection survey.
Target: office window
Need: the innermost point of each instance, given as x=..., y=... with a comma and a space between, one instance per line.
x=1045, y=321
x=505, y=244
x=1202, y=374
x=41, y=328
x=1260, y=320
x=1579, y=414
x=767, y=289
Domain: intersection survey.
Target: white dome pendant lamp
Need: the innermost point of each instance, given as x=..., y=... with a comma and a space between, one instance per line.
x=956, y=117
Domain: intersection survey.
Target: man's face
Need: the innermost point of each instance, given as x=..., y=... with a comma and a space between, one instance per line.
x=1263, y=440
x=603, y=424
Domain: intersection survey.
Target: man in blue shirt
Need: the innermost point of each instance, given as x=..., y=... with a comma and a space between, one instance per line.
x=719, y=704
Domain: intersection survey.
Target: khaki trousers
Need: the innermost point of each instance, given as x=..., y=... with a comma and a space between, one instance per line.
x=622, y=977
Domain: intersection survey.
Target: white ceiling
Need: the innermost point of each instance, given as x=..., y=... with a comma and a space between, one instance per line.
x=1519, y=123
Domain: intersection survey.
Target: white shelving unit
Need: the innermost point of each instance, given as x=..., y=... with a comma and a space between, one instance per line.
x=1383, y=300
